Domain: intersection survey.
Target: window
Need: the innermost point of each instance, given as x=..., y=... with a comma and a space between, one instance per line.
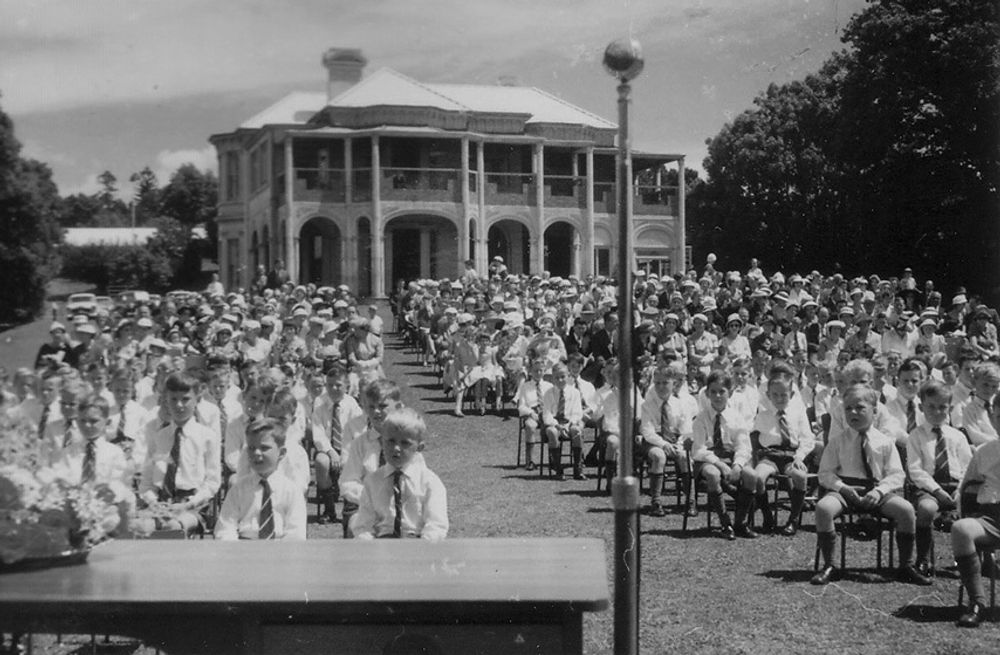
x=232, y=262
x=231, y=175
x=602, y=261
x=258, y=167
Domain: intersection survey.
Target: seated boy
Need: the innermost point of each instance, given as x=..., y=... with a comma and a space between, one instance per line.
x=904, y=408
x=981, y=532
x=562, y=416
x=402, y=498
x=937, y=458
x=664, y=426
x=93, y=459
x=364, y=454
x=861, y=471
x=126, y=427
x=782, y=439
x=294, y=463
x=336, y=420
x=529, y=408
x=263, y=503
x=976, y=419
x=183, y=468
x=588, y=395
x=59, y=434
x=721, y=450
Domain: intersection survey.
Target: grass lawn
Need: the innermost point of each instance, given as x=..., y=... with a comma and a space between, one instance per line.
x=699, y=593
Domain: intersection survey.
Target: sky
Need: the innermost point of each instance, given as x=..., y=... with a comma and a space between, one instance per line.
x=119, y=85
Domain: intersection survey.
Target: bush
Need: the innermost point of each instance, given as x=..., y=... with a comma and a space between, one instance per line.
x=128, y=266
x=23, y=291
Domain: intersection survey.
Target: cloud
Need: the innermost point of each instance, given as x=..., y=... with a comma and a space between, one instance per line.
x=168, y=161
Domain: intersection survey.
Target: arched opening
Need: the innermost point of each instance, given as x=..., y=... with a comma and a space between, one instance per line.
x=420, y=246
x=266, y=247
x=255, y=251
x=561, y=242
x=472, y=239
x=510, y=239
x=653, y=250
x=364, y=257
x=320, y=252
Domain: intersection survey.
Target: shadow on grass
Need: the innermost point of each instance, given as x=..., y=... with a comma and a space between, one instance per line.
x=583, y=493
x=863, y=576
x=679, y=533
x=929, y=613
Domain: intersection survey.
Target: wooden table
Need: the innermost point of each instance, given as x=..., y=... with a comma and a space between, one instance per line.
x=459, y=596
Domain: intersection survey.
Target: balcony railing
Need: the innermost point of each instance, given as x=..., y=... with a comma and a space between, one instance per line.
x=361, y=185
x=510, y=189
x=444, y=185
x=565, y=191
x=320, y=184
x=646, y=200
x=421, y=184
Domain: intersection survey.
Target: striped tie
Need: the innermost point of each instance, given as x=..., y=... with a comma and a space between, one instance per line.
x=911, y=416
x=68, y=436
x=170, y=477
x=942, y=470
x=120, y=432
x=717, y=432
x=561, y=407
x=89, y=462
x=864, y=456
x=397, y=499
x=266, y=519
x=44, y=420
x=786, y=435
x=336, y=431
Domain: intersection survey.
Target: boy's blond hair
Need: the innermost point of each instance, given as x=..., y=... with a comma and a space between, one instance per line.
x=407, y=421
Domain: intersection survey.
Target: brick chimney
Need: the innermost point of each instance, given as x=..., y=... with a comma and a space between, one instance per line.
x=344, y=67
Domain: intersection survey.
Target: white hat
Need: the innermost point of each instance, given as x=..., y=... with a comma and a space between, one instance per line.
x=56, y=325
x=836, y=324
x=87, y=328
x=144, y=322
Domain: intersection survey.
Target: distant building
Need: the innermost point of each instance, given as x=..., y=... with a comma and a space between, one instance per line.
x=384, y=179
x=108, y=236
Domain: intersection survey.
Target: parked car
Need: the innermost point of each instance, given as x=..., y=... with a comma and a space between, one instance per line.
x=133, y=298
x=105, y=303
x=81, y=303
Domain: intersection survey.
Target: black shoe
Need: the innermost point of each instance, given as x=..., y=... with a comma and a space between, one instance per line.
x=972, y=617
x=745, y=531
x=324, y=519
x=728, y=533
x=656, y=509
x=907, y=573
x=558, y=475
x=826, y=575
x=925, y=568
x=691, y=512
x=580, y=475
x=531, y=466
x=790, y=529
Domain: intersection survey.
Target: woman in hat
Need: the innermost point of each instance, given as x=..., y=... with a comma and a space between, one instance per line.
x=363, y=351
x=928, y=338
x=733, y=343
x=980, y=334
x=702, y=345
x=486, y=376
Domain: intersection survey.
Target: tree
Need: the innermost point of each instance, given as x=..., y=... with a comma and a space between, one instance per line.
x=191, y=195
x=28, y=227
x=146, y=196
x=888, y=157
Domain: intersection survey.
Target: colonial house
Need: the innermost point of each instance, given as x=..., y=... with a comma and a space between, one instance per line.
x=384, y=179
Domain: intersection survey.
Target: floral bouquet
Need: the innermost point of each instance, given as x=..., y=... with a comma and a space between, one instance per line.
x=42, y=516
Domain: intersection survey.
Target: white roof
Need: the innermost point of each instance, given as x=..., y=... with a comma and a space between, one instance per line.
x=542, y=106
x=296, y=107
x=112, y=236
x=388, y=87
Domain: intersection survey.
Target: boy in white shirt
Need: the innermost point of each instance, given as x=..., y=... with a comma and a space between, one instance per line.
x=402, y=498
x=529, y=408
x=562, y=415
x=263, y=503
x=337, y=420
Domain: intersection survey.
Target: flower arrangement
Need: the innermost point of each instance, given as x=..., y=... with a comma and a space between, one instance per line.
x=42, y=515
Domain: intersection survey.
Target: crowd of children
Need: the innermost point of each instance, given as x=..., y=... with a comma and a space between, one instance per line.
x=873, y=393
x=221, y=412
